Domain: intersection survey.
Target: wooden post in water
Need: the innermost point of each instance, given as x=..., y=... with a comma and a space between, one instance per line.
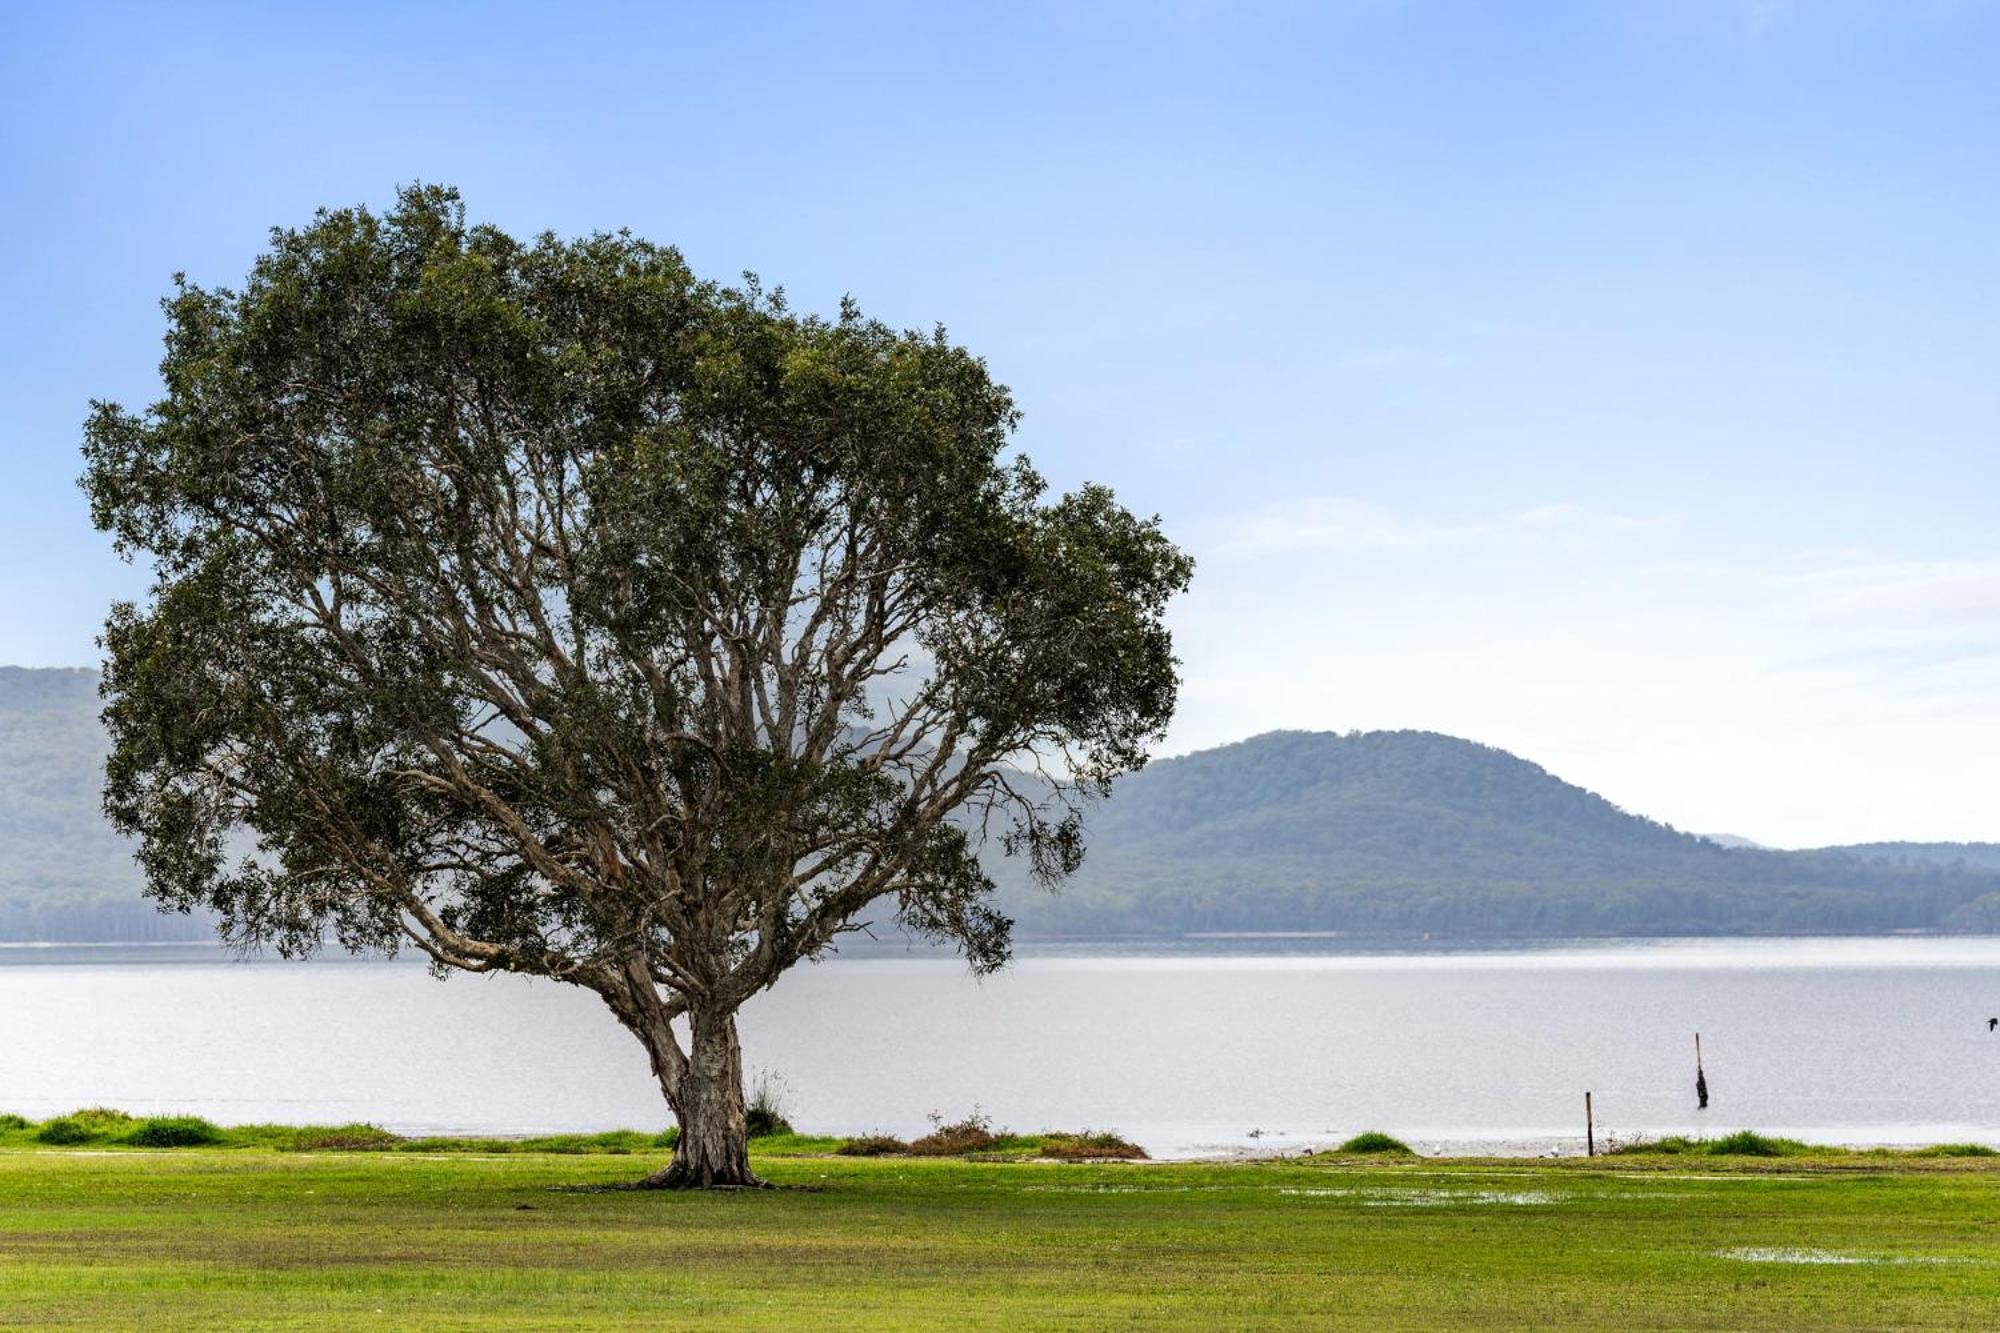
x=1700, y=1079
x=1589, y=1128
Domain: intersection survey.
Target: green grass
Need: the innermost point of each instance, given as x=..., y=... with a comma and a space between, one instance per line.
x=1374, y=1142
x=249, y=1236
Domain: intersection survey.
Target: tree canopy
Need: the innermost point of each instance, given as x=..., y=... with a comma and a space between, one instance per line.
x=548, y=609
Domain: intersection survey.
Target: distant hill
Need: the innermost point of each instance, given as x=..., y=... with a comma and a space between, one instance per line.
x=1381, y=832
x=1731, y=840
x=1964, y=855
x=64, y=875
x=1407, y=831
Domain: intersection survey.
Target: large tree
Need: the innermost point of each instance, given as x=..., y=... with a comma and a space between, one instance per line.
x=549, y=610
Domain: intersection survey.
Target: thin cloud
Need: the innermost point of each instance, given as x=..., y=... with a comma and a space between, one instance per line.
x=1338, y=523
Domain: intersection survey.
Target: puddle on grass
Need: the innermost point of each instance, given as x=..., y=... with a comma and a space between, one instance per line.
x=1428, y=1198
x=1795, y=1254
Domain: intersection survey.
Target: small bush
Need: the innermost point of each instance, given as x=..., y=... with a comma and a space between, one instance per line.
x=1956, y=1150
x=173, y=1131
x=765, y=1115
x=8, y=1120
x=1089, y=1146
x=873, y=1145
x=65, y=1130
x=1375, y=1142
x=343, y=1138
x=104, y=1119
x=972, y=1134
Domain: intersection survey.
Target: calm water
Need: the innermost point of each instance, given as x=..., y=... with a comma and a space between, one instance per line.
x=1855, y=1041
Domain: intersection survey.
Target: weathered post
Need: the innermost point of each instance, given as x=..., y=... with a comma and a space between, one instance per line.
x=1700, y=1079
x=1589, y=1128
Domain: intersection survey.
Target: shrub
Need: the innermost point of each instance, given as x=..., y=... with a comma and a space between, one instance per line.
x=104, y=1119
x=65, y=1130
x=343, y=1138
x=765, y=1115
x=667, y=1137
x=872, y=1145
x=972, y=1134
x=1089, y=1146
x=1956, y=1150
x=8, y=1120
x=1374, y=1141
x=173, y=1131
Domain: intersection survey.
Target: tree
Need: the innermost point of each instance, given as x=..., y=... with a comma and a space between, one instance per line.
x=546, y=609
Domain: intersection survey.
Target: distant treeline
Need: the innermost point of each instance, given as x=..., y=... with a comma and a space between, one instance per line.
x=1376, y=833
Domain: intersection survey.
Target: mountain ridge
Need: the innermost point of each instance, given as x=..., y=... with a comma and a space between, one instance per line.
x=1385, y=832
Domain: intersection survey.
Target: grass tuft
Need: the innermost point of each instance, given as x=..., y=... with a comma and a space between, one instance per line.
x=173, y=1131
x=342, y=1138
x=1743, y=1143
x=1375, y=1143
x=764, y=1117
x=64, y=1131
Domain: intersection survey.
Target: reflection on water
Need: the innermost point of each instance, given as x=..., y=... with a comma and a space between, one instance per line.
x=1205, y=1046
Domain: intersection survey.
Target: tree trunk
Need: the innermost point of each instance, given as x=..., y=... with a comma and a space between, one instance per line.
x=713, y=1151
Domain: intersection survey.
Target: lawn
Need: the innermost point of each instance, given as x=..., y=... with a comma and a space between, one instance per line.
x=254, y=1237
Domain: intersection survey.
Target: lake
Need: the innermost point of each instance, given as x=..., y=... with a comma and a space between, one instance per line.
x=1207, y=1047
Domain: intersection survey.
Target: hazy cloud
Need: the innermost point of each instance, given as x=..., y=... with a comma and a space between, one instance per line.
x=1338, y=523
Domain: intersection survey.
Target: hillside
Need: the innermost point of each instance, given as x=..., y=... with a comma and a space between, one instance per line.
x=1382, y=832
x=1412, y=831
x=64, y=875
x=1964, y=855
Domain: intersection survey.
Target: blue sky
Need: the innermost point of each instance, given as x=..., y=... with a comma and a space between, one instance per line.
x=1614, y=382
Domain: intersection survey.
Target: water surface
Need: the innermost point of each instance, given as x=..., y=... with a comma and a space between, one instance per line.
x=1206, y=1046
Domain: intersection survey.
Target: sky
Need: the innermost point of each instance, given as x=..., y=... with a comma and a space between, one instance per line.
x=1614, y=383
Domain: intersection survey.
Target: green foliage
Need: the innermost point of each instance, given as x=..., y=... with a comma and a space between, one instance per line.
x=10, y=1121
x=1743, y=1143
x=1956, y=1150
x=1373, y=1142
x=66, y=1130
x=104, y=1119
x=1748, y=1143
x=178, y=1131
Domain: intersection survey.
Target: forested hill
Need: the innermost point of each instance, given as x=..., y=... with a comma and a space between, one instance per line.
x=64, y=875
x=1966, y=855
x=1384, y=832
x=1399, y=832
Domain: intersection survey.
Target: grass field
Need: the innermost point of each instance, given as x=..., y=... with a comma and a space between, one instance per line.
x=251, y=1237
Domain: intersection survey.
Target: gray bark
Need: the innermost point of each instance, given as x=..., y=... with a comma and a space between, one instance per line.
x=703, y=1084
x=714, y=1147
